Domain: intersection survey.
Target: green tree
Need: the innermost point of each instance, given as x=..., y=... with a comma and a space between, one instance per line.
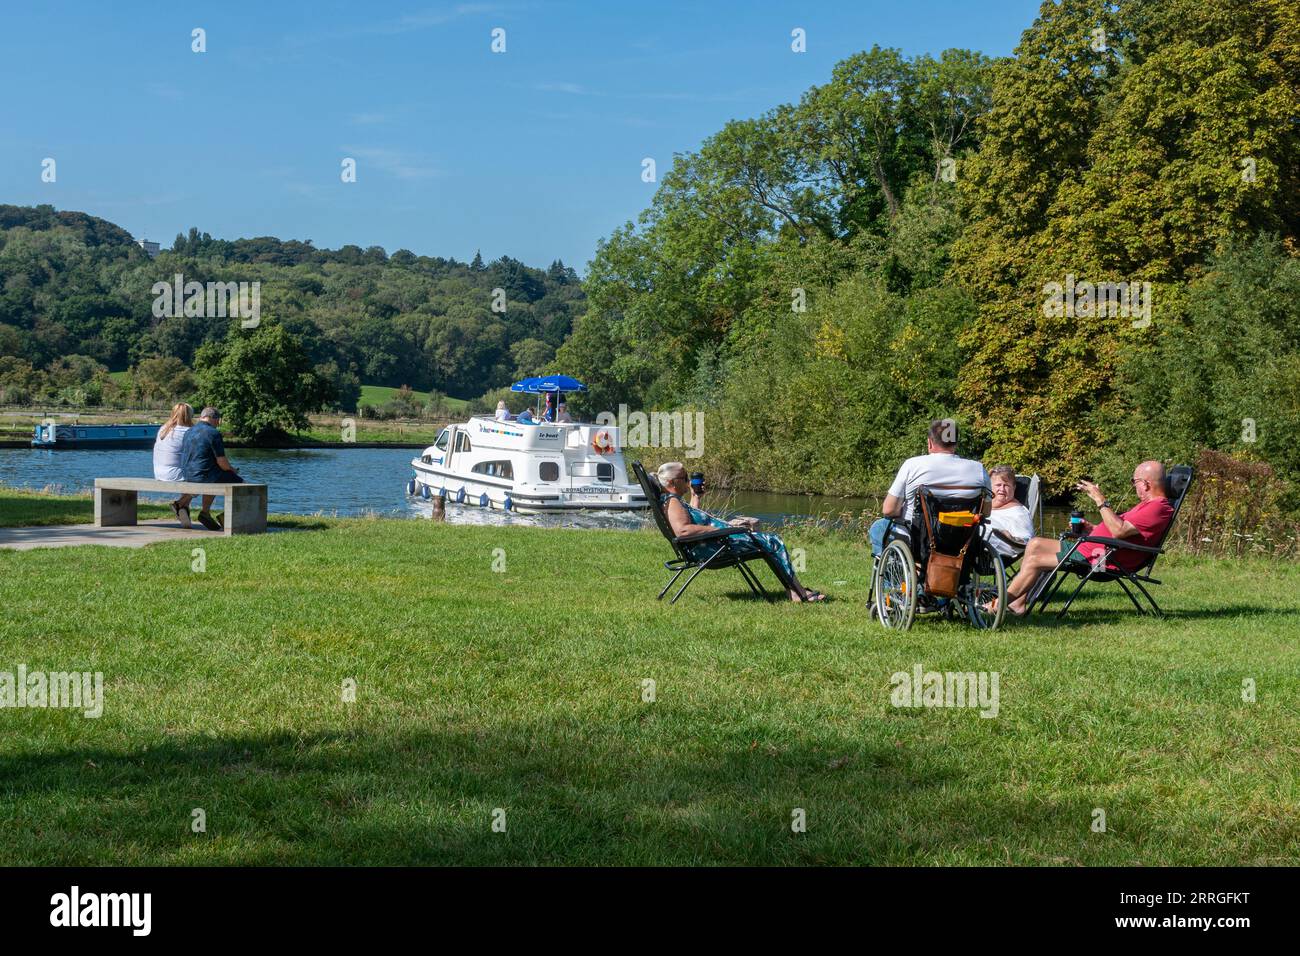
x=164, y=380
x=1113, y=156
x=531, y=357
x=263, y=382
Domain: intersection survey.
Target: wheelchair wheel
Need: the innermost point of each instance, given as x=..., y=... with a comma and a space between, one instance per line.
x=987, y=581
x=895, y=586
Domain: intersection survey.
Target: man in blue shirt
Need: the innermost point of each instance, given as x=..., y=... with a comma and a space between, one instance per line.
x=203, y=459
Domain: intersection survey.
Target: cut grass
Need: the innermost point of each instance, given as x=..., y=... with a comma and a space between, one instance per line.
x=381, y=394
x=20, y=508
x=523, y=690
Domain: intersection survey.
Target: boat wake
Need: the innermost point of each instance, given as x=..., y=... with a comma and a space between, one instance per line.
x=473, y=515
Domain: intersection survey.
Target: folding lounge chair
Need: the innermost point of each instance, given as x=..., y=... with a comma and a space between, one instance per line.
x=716, y=554
x=1177, y=482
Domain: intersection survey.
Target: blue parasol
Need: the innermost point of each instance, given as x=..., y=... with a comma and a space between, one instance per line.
x=538, y=384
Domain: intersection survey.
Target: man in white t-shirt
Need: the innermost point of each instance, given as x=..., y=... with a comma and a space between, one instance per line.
x=940, y=467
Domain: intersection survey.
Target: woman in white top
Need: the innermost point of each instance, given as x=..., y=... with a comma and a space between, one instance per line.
x=1008, y=515
x=167, y=455
x=503, y=413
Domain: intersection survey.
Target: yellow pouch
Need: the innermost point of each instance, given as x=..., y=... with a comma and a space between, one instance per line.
x=958, y=519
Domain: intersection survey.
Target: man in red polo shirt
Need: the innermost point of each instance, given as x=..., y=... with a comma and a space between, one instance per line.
x=1144, y=524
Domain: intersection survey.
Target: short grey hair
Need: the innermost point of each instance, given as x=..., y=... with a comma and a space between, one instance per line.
x=669, y=470
x=210, y=412
x=1006, y=471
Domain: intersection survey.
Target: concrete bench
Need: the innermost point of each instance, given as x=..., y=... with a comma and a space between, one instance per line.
x=116, y=500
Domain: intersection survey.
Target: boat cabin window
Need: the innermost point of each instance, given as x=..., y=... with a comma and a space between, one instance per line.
x=605, y=471
x=548, y=471
x=462, y=442
x=441, y=442
x=496, y=469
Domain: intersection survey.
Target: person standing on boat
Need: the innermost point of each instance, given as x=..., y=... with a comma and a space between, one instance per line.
x=203, y=459
x=167, y=456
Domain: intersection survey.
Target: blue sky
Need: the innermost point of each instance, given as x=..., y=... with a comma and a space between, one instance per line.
x=535, y=153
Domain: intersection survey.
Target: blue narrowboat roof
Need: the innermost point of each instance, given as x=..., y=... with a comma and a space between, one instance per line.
x=139, y=431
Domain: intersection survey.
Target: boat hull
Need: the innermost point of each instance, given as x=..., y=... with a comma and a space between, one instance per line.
x=133, y=435
x=431, y=482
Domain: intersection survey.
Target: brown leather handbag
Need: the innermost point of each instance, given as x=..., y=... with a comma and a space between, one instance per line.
x=943, y=571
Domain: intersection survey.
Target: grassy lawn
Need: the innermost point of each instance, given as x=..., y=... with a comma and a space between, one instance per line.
x=522, y=690
x=328, y=428
x=379, y=394
x=20, y=508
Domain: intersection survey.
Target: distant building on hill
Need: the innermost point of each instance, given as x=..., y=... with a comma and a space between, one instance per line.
x=151, y=249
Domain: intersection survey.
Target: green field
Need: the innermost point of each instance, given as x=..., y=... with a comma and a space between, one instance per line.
x=380, y=394
x=370, y=394
x=522, y=690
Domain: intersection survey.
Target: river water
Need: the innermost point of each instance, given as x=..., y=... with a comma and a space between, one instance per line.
x=356, y=481
x=352, y=481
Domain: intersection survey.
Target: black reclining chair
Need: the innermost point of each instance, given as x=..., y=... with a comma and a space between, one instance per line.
x=717, y=556
x=1177, y=482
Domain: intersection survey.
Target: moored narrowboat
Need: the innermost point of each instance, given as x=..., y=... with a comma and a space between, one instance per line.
x=131, y=435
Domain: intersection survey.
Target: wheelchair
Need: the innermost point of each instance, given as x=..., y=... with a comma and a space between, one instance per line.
x=968, y=573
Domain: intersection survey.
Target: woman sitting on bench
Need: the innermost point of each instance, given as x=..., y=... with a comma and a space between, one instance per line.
x=687, y=519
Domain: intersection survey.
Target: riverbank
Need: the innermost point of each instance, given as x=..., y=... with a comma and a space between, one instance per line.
x=326, y=431
x=375, y=691
x=281, y=446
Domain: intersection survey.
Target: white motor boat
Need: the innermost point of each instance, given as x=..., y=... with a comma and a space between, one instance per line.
x=528, y=468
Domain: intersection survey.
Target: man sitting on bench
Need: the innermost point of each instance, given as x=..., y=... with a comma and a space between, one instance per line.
x=1143, y=524
x=203, y=459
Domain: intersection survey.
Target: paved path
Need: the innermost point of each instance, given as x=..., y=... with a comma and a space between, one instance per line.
x=71, y=535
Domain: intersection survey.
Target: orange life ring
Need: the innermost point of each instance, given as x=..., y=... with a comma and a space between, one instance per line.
x=601, y=443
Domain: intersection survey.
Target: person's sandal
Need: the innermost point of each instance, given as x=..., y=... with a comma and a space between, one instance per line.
x=208, y=521
x=182, y=514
